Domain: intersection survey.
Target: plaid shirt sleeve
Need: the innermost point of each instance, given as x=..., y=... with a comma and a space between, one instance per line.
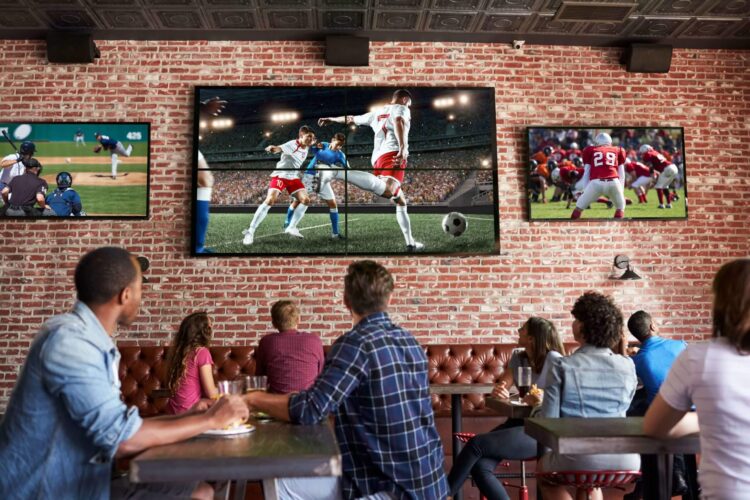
x=345, y=367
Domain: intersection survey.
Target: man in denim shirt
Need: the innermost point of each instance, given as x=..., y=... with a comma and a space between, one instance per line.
x=65, y=422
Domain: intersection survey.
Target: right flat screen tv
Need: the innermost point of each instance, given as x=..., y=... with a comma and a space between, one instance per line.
x=586, y=173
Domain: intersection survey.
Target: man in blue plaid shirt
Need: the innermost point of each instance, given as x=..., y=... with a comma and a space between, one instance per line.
x=375, y=384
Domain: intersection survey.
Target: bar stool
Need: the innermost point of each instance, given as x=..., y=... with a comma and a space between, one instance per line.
x=523, y=490
x=590, y=480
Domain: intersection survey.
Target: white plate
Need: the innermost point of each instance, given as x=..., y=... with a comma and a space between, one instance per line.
x=240, y=429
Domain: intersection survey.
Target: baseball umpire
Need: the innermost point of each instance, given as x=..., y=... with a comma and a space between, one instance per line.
x=25, y=191
x=64, y=200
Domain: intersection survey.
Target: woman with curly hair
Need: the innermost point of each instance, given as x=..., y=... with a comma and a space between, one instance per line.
x=540, y=345
x=713, y=376
x=190, y=375
x=596, y=381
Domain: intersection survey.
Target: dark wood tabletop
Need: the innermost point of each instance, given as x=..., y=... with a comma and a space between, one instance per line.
x=604, y=435
x=274, y=449
x=461, y=388
x=507, y=408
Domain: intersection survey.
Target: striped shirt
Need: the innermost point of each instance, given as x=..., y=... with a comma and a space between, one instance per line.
x=713, y=376
x=375, y=384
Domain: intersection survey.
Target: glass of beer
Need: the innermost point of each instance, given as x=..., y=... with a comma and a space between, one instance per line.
x=523, y=380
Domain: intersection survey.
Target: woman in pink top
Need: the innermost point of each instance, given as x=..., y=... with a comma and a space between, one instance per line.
x=190, y=374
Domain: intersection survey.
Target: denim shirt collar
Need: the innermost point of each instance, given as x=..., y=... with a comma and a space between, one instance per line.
x=100, y=336
x=592, y=349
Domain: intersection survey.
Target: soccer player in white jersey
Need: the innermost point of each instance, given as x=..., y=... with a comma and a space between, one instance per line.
x=390, y=152
x=285, y=178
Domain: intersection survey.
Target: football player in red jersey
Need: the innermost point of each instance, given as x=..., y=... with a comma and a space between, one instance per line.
x=667, y=172
x=640, y=179
x=604, y=175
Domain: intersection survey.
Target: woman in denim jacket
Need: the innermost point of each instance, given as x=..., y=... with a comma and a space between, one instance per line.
x=592, y=382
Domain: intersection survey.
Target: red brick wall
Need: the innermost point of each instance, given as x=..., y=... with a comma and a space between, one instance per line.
x=542, y=267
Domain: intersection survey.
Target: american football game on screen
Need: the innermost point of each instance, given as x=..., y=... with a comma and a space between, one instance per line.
x=344, y=170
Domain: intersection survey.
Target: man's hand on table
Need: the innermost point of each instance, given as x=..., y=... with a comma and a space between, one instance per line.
x=228, y=411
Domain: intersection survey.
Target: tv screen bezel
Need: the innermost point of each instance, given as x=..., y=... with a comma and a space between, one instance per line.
x=527, y=150
x=103, y=124
x=492, y=135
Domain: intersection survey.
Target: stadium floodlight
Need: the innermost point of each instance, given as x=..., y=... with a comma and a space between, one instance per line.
x=352, y=127
x=203, y=124
x=266, y=134
x=485, y=163
x=285, y=116
x=451, y=117
x=444, y=102
x=222, y=123
x=463, y=99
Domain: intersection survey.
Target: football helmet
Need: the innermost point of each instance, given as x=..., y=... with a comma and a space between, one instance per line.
x=645, y=148
x=603, y=139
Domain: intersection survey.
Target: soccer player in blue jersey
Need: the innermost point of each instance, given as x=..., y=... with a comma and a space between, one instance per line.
x=325, y=155
x=114, y=147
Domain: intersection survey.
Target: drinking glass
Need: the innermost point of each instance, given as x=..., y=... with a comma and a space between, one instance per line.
x=256, y=383
x=229, y=387
x=523, y=380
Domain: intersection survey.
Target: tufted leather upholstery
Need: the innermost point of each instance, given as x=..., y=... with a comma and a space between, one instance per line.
x=144, y=369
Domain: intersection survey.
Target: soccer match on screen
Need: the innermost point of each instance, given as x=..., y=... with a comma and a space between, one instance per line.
x=74, y=169
x=606, y=173
x=363, y=170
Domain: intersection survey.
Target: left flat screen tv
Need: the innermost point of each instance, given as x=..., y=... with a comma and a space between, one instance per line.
x=93, y=170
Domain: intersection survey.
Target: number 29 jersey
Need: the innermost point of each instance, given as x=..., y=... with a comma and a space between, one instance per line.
x=603, y=161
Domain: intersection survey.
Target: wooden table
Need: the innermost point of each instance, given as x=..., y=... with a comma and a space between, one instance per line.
x=456, y=391
x=573, y=436
x=273, y=450
x=507, y=408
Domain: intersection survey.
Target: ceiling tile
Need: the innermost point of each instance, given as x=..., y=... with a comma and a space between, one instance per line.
x=710, y=29
x=125, y=19
x=731, y=8
x=234, y=19
x=502, y=23
x=58, y=3
x=457, y=5
x=389, y=21
x=400, y=4
x=17, y=18
x=681, y=7
x=449, y=21
x=660, y=28
x=179, y=19
x=169, y=3
x=608, y=29
x=111, y=3
x=229, y=4
x=513, y=5
x=343, y=19
x=286, y=4
x=545, y=24
x=289, y=19
x=70, y=19
x=344, y=4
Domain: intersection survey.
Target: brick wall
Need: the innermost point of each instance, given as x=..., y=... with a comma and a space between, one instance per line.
x=542, y=267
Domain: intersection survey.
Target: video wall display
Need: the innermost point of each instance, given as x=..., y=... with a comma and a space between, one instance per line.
x=344, y=171
x=74, y=170
x=606, y=173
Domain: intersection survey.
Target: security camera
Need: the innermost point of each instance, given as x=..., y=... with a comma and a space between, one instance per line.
x=518, y=44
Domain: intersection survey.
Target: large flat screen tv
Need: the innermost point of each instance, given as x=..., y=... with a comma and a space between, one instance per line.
x=344, y=171
x=74, y=170
x=606, y=173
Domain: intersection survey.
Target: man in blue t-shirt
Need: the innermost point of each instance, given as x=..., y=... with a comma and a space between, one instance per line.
x=325, y=155
x=656, y=355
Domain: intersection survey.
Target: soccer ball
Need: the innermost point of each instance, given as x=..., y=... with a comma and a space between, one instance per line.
x=455, y=224
x=68, y=161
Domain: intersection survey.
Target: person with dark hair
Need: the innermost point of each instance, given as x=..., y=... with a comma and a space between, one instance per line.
x=375, y=385
x=595, y=381
x=190, y=375
x=65, y=422
x=390, y=124
x=541, y=345
x=13, y=164
x=25, y=191
x=285, y=178
x=713, y=376
x=326, y=155
x=656, y=354
x=65, y=201
x=289, y=358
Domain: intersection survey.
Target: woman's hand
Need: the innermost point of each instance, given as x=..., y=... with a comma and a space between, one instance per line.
x=202, y=405
x=534, y=399
x=500, y=391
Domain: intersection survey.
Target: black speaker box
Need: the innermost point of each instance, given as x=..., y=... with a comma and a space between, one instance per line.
x=347, y=51
x=648, y=58
x=71, y=48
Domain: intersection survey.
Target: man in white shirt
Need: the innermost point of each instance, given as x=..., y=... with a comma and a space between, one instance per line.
x=12, y=165
x=391, y=124
x=286, y=177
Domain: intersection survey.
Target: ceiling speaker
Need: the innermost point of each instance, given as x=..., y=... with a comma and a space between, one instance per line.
x=70, y=48
x=347, y=51
x=648, y=58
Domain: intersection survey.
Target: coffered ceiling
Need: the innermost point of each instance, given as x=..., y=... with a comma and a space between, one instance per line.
x=681, y=23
